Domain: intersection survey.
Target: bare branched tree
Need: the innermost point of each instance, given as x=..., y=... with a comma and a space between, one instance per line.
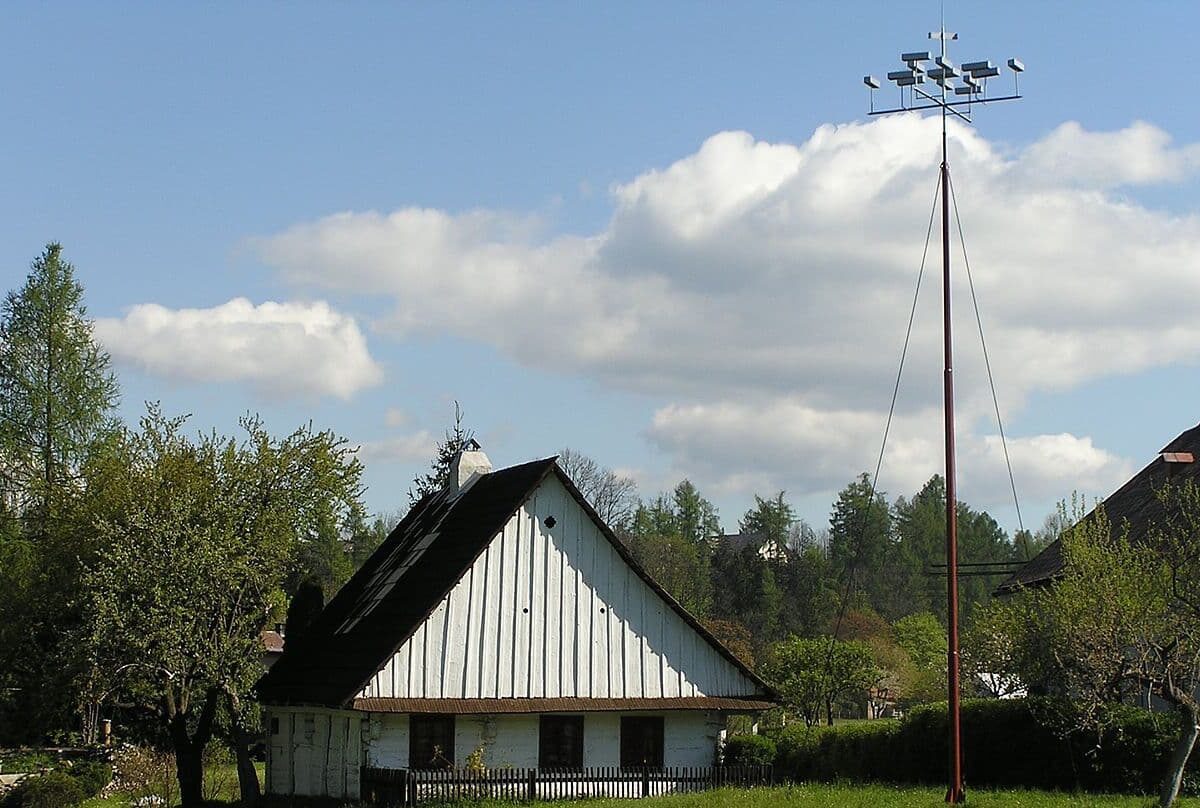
x=613, y=495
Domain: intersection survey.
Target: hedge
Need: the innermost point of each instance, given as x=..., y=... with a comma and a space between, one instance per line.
x=749, y=750
x=1006, y=744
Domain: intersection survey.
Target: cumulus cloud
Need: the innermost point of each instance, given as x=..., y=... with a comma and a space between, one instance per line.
x=753, y=278
x=279, y=348
x=783, y=443
x=417, y=447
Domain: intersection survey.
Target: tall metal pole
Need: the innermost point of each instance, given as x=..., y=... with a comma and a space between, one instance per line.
x=970, y=75
x=954, y=793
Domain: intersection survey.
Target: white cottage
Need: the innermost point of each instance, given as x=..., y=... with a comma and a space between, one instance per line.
x=501, y=621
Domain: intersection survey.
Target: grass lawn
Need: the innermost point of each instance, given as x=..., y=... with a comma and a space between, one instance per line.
x=815, y=796
x=824, y=796
x=223, y=780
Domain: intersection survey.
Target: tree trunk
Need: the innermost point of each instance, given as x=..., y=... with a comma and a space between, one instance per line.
x=829, y=713
x=189, y=750
x=189, y=768
x=1179, y=758
x=248, y=786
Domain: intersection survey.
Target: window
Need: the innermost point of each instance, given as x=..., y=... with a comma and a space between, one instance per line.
x=560, y=742
x=430, y=741
x=641, y=741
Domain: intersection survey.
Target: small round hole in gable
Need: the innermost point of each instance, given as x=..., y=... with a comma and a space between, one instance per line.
x=551, y=521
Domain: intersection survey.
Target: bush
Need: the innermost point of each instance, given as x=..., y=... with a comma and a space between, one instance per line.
x=1006, y=744
x=749, y=750
x=91, y=775
x=50, y=790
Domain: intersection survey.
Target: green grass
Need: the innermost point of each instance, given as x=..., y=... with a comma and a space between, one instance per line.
x=226, y=776
x=818, y=796
x=826, y=796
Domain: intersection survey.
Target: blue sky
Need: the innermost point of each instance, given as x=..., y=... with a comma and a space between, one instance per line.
x=546, y=212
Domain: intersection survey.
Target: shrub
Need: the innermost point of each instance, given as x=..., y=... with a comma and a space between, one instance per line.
x=91, y=775
x=144, y=773
x=50, y=790
x=749, y=750
x=1015, y=743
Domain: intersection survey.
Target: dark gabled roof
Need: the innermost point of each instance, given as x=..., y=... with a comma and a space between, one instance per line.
x=329, y=667
x=1134, y=506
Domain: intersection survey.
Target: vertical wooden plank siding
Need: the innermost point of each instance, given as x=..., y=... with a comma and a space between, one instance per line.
x=555, y=612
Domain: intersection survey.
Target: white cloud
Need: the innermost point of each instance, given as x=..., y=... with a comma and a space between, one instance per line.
x=752, y=279
x=279, y=348
x=418, y=447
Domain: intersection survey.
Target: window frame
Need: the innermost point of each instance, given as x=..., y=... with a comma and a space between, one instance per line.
x=548, y=742
x=435, y=730
x=645, y=731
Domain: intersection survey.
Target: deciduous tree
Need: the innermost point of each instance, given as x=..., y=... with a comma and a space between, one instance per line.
x=193, y=565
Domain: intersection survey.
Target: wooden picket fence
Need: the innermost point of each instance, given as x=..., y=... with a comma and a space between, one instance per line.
x=410, y=787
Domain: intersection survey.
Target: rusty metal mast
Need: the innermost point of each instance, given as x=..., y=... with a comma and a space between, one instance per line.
x=972, y=78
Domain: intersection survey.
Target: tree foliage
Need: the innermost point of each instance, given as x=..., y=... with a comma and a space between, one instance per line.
x=193, y=565
x=56, y=389
x=812, y=674
x=668, y=538
x=56, y=398
x=1113, y=626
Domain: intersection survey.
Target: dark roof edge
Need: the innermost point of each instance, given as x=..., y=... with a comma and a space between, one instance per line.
x=687, y=616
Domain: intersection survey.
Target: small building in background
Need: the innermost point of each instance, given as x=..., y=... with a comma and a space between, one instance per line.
x=501, y=624
x=272, y=646
x=737, y=542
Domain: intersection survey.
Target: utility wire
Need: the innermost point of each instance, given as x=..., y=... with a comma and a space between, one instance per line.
x=987, y=363
x=854, y=559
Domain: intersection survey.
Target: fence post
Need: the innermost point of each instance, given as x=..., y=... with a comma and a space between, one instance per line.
x=645, y=781
x=531, y=785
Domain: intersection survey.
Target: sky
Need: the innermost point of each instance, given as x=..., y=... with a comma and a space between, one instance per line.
x=666, y=235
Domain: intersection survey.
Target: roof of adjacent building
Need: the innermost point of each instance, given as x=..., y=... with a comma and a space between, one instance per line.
x=272, y=641
x=1134, y=506
x=437, y=541
x=739, y=541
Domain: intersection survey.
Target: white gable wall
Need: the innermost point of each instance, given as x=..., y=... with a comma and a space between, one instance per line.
x=555, y=612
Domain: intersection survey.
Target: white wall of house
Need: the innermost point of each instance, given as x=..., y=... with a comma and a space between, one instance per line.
x=689, y=739
x=555, y=612
x=314, y=752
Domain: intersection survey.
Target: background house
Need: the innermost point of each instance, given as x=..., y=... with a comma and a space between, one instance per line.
x=502, y=621
x=1134, y=505
x=737, y=542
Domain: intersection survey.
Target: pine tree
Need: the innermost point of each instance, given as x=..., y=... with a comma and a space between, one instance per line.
x=439, y=472
x=56, y=390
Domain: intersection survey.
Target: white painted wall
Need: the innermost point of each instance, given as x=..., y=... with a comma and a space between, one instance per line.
x=315, y=752
x=555, y=612
x=689, y=739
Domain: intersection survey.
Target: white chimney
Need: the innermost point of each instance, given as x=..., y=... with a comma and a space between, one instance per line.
x=468, y=464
